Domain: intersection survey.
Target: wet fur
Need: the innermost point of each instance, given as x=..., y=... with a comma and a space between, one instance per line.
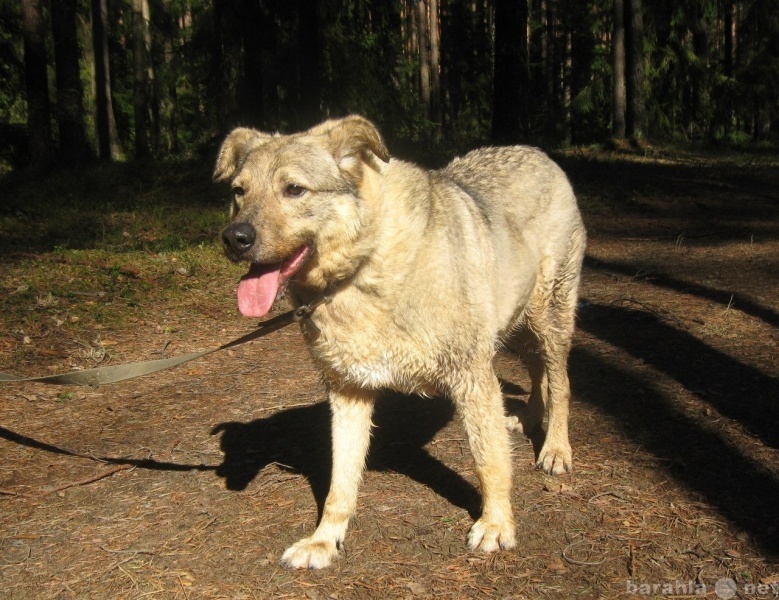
x=433, y=271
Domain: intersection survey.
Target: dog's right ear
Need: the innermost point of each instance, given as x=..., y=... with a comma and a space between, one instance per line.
x=234, y=150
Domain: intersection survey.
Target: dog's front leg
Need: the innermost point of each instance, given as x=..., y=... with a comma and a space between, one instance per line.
x=351, y=421
x=480, y=402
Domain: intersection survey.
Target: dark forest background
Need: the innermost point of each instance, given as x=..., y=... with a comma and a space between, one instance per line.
x=114, y=79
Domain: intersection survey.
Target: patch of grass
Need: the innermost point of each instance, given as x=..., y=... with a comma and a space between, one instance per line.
x=149, y=206
x=102, y=247
x=64, y=396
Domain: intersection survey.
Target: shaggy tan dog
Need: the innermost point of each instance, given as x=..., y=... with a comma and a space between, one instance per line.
x=430, y=272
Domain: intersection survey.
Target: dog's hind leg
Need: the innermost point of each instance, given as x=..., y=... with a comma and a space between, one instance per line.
x=555, y=456
x=554, y=327
x=351, y=421
x=479, y=401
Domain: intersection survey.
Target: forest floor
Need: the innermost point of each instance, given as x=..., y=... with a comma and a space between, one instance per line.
x=191, y=483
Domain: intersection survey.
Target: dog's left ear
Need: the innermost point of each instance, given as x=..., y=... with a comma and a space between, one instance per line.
x=234, y=150
x=351, y=138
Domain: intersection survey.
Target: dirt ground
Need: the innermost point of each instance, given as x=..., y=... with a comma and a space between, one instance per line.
x=190, y=484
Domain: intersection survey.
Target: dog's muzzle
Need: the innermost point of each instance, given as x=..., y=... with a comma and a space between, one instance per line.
x=238, y=239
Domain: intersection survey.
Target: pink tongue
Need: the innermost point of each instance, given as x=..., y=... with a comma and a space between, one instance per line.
x=257, y=290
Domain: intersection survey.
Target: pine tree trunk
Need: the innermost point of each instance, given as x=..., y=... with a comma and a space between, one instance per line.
x=435, y=70
x=634, y=68
x=510, y=106
x=153, y=95
x=254, y=28
x=168, y=96
x=73, y=145
x=107, y=137
x=551, y=70
x=140, y=65
x=618, y=58
x=727, y=64
x=308, y=63
x=36, y=84
x=424, y=56
x=413, y=29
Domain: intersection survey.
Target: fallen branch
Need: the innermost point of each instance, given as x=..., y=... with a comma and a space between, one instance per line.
x=609, y=493
x=10, y=493
x=86, y=481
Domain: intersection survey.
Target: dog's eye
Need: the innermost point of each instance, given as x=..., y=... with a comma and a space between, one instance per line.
x=238, y=191
x=294, y=191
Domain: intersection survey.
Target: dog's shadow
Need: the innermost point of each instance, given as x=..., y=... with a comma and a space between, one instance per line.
x=298, y=440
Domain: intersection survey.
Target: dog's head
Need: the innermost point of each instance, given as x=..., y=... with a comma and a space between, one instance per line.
x=297, y=204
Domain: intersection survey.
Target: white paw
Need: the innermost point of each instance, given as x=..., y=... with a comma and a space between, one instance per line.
x=526, y=425
x=514, y=425
x=555, y=459
x=310, y=554
x=491, y=537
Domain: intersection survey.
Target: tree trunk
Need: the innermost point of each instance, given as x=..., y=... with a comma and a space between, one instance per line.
x=107, y=137
x=253, y=27
x=727, y=65
x=73, y=144
x=634, y=67
x=140, y=80
x=36, y=84
x=727, y=61
x=153, y=95
x=310, y=49
x=551, y=68
x=168, y=96
x=566, y=80
x=510, y=107
x=424, y=56
x=413, y=29
x=435, y=70
x=618, y=58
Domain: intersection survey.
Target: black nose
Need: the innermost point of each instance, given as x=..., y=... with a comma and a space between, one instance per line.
x=238, y=238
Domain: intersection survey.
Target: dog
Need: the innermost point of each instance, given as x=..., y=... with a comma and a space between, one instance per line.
x=430, y=273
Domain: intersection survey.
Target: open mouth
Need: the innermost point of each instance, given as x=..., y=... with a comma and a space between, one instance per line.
x=264, y=283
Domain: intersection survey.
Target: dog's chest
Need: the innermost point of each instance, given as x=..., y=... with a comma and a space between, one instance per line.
x=369, y=358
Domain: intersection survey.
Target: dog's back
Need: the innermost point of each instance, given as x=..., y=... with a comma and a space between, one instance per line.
x=518, y=206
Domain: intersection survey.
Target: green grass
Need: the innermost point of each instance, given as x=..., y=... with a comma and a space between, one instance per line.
x=102, y=245
x=149, y=206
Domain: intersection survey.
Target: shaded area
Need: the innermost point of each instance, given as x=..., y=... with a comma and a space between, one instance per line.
x=298, y=439
x=743, y=491
x=141, y=205
x=702, y=195
x=736, y=390
x=724, y=297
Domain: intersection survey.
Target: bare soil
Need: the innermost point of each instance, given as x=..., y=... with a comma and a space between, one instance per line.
x=191, y=483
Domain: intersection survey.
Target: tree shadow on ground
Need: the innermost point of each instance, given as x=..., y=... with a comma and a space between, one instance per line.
x=298, y=440
x=736, y=390
x=744, y=491
x=724, y=297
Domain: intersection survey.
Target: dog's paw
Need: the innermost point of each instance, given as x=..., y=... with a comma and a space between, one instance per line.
x=491, y=537
x=309, y=554
x=525, y=424
x=514, y=425
x=555, y=459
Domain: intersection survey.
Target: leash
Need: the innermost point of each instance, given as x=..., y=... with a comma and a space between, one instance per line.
x=101, y=375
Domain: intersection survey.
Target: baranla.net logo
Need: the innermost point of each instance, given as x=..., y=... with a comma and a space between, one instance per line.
x=724, y=588
x=668, y=588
